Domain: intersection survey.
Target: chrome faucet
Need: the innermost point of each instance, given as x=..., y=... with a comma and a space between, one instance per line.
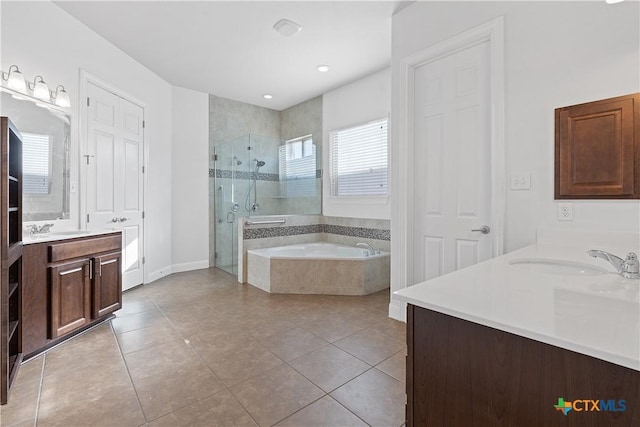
x=34, y=229
x=629, y=267
x=370, y=250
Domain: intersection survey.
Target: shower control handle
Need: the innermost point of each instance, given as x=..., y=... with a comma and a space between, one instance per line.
x=485, y=229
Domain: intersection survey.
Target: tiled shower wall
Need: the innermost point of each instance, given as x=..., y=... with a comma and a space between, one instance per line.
x=300, y=229
x=234, y=121
x=228, y=121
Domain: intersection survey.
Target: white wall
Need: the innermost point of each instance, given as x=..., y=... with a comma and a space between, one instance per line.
x=556, y=54
x=354, y=104
x=189, y=180
x=42, y=39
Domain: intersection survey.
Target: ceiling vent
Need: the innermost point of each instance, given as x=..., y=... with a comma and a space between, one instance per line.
x=287, y=28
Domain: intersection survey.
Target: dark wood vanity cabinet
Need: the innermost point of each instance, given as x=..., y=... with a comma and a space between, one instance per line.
x=461, y=373
x=597, y=149
x=70, y=285
x=107, y=284
x=70, y=296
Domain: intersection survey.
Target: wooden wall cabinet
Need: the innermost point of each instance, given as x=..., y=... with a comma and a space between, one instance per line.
x=597, y=149
x=70, y=285
x=11, y=283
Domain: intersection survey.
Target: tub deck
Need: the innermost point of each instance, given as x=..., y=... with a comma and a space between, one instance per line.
x=318, y=268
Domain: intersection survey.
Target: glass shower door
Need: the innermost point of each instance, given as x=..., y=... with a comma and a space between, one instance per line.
x=229, y=166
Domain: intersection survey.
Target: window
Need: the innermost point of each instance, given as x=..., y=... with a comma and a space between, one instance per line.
x=358, y=160
x=36, y=163
x=297, y=167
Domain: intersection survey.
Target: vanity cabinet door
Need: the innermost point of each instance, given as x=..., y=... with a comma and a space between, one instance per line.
x=107, y=284
x=70, y=296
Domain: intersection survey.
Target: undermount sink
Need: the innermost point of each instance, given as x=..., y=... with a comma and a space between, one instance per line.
x=559, y=266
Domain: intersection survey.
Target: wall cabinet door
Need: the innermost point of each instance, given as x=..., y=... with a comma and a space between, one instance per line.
x=70, y=296
x=597, y=152
x=107, y=284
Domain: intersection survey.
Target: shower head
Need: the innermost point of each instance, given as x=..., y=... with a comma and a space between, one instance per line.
x=237, y=161
x=259, y=163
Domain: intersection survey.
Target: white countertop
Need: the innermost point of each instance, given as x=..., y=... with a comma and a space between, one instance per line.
x=62, y=235
x=594, y=315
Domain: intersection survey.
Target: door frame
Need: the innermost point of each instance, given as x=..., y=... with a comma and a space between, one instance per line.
x=85, y=79
x=402, y=214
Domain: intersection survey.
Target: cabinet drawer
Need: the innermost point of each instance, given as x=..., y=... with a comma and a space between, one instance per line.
x=81, y=248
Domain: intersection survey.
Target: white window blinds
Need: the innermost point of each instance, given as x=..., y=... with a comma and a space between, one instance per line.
x=358, y=159
x=36, y=163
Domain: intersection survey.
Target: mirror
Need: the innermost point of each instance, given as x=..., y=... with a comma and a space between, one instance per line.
x=46, y=132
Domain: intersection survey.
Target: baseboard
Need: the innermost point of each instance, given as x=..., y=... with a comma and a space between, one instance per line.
x=159, y=274
x=398, y=310
x=188, y=266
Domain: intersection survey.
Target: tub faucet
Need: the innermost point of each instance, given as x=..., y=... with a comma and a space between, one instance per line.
x=370, y=250
x=629, y=267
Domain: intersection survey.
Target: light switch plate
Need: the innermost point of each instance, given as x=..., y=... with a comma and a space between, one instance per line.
x=565, y=212
x=520, y=181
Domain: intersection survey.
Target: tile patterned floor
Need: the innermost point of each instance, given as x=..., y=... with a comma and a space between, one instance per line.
x=198, y=349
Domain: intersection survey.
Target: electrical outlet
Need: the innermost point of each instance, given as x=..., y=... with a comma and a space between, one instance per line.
x=565, y=212
x=520, y=182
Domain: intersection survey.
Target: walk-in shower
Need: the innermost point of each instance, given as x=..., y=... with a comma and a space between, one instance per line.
x=258, y=175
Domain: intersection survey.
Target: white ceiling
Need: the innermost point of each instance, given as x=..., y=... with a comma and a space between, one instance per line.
x=230, y=49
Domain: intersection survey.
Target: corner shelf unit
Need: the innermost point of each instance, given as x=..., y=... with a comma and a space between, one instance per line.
x=11, y=258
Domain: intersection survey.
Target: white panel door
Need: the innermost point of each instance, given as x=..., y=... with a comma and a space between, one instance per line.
x=114, y=159
x=452, y=162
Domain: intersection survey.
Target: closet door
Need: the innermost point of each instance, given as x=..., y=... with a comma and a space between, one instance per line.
x=114, y=161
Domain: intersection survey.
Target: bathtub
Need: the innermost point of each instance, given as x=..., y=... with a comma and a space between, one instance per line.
x=318, y=268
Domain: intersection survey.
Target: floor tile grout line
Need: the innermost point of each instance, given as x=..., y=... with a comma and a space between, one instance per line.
x=44, y=361
x=341, y=404
x=305, y=406
x=228, y=389
x=128, y=372
x=334, y=389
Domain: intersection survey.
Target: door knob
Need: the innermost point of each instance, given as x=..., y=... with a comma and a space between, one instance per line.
x=484, y=229
x=123, y=219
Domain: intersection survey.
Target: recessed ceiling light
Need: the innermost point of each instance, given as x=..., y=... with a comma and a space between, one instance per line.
x=322, y=68
x=614, y=1
x=287, y=28
x=267, y=96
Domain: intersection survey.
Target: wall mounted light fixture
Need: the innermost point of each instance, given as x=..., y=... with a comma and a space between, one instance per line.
x=61, y=97
x=14, y=80
x=40, y=89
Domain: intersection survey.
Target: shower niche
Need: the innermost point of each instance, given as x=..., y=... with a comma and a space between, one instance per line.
x=259, y=175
